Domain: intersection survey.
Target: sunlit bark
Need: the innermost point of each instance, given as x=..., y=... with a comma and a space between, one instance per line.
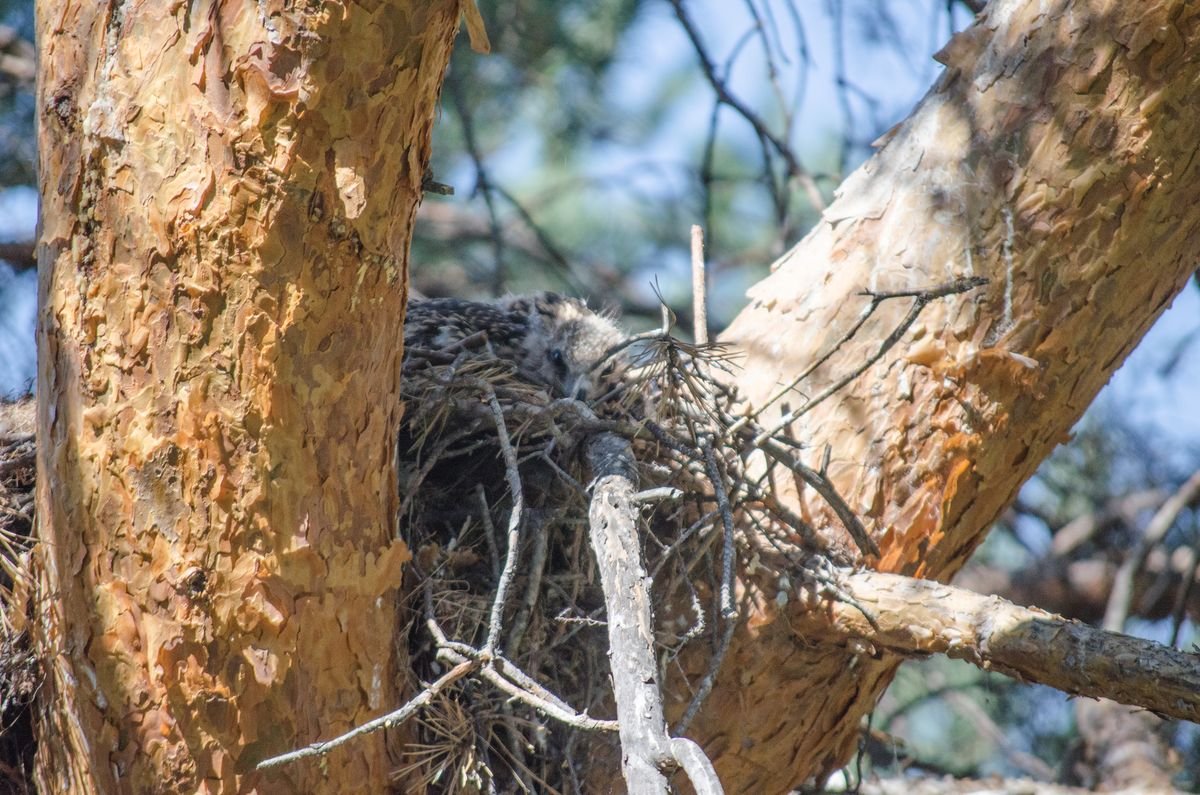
x=227, y=197
x=1056, y=157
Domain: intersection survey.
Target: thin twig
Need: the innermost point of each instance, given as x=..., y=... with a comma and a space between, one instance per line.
x=390, y=720
x=504, y=672
x=710, y=679
x=707, y=177
x=560, y=260
x=1183, y=594
x=489, y=530
x=483, y=185
x=699, y=288
x=537, y=565
x=760, y=128
x=836, y=12
x=514, y=524
x=824, y=487
x=922, y=299
x=678, y=543
x=849, y=335
x=553, y=710
x=634, y=339
x=728, y=553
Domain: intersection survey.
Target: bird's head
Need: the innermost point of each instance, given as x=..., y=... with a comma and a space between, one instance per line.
x=566, y=344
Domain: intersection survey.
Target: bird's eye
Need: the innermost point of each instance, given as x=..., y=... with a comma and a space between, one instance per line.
x=559, y=361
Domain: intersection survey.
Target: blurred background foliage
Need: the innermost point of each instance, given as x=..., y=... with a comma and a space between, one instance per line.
x=18, y=147
x=581, y=150
x=18, y=202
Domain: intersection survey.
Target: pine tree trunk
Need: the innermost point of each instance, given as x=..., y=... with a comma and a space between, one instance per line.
x=1056, y=157
x=227, y=193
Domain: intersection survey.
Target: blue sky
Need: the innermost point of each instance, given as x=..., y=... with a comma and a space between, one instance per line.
x=18, y=217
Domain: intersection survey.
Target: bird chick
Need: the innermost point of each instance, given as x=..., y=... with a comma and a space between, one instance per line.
x=552, y=340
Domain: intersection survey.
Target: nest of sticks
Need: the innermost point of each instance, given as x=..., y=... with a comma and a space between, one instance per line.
x=487, y=461
x=19, y=670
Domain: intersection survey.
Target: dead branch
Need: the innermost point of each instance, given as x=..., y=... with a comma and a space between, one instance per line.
x=710, y=679
x=647, y=750
x=518, y=685
x=1084, y=583
x=1081, y=589
x=390, y=720
x=919, y=617
x=728, y=549
x=921, y=299
x=1122, y=592
x=483, y=186
x=19, y=254
x=699, y=288
x=514, y=524
x=824, y=487
x=1084, y=527
x=18, y=58
x=1126, y=745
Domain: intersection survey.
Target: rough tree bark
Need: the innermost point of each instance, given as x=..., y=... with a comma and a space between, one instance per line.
x=1056, y=156
x=227, y=197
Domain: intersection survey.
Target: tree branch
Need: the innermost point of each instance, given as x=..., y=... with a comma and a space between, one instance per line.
x=647, y=750
x=1123, y=585
x=918, y=617
x=19, y=254
x=760, y=127
x=387, y=721
x=514, y=525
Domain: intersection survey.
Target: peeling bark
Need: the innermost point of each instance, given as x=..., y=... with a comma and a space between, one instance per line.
x=228, y=192
x=1056, y=156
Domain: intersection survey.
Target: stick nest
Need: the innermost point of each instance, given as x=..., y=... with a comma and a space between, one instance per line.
x=697, y=467
x=19, y=671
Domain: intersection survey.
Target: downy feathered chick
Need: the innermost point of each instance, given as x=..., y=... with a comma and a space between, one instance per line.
x=552, y=340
